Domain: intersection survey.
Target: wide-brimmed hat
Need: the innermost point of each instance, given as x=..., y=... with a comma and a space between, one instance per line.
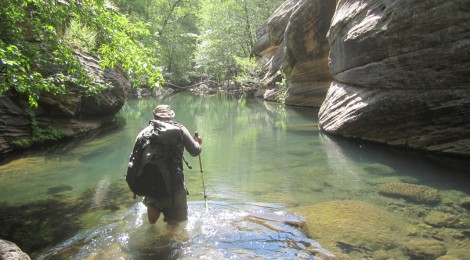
x=164, y=111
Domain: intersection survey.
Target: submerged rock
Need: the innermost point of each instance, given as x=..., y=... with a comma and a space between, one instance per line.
x=413, y=192
x=59, y=188
x=440, y=219
x=352, y=225
x=379, y=169
x=425, y=249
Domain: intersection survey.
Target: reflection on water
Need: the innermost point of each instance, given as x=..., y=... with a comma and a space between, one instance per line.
x=219, y=231
x=254, y=153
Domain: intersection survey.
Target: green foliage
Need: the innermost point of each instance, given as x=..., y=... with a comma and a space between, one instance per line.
x=172, y=27
x=81, y=36
x=228, y=29
x=201, y=37
x=181, y=37
x=249, y=70
x=281, y=89
x=35, y=58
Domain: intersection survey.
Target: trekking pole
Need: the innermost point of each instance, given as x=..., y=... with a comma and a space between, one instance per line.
x=196, y=137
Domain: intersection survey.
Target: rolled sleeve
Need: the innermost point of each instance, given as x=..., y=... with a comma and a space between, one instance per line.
x=191, y=146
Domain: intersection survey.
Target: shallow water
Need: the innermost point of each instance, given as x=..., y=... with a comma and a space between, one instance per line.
x=260, y=160
x=218, y=231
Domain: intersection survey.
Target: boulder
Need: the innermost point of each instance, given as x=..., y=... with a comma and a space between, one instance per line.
x=293, y=42
x=109, y=101
x=400, y=72
x=66, y=115
x=10, y=251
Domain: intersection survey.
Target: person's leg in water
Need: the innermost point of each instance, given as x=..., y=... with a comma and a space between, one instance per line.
x=153, y=211
x=153, y=214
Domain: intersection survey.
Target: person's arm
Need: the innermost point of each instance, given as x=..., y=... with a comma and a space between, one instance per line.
x=193, y=147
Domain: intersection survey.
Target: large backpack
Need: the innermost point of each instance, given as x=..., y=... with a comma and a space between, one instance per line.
x=155, y=163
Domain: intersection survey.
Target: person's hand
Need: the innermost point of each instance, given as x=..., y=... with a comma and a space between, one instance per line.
x=197, y=138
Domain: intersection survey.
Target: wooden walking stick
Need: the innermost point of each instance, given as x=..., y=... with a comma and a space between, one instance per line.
x=196, y=137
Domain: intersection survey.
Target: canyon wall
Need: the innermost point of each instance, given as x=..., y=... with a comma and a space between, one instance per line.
x=401, y=74
x=293, y=42
x=394, y=72
x=70, y=115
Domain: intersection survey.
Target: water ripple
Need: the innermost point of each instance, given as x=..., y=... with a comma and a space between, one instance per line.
x=221, y=230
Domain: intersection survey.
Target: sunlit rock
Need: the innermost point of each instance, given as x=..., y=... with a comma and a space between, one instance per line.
x=9, y=250
x=413, y=192
x=293, y=42
x=110, y=100
x=400, y=73
x=353, y=224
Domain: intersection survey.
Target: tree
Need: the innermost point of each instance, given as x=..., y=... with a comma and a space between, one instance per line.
x=173, y=28
x=31, y=39
x=228, y=30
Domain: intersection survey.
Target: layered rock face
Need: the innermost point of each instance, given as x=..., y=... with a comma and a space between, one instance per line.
x=293, y=42
x=401, y=73
x=71, y=114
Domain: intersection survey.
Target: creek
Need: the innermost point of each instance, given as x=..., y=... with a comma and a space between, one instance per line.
x=260, y=160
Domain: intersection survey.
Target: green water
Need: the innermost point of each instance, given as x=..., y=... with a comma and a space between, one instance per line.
x=258, y=158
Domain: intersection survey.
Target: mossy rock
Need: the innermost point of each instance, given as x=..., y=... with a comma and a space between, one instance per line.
x=354, y=223
x=425, y=249
x=412, y=192
x=440, y=219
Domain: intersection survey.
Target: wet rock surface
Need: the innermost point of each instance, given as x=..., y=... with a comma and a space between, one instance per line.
x=352, y=226
x=440, y=219
x=357, y=230
x=425, y=249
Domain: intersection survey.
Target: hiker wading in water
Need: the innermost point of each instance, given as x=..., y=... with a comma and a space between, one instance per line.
x=161, y=145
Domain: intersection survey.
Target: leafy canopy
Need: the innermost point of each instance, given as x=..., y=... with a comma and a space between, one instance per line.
x=183, y=38
x=228, y=30
x=35, y=56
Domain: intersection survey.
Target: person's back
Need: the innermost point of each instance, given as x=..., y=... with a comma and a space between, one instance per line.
x=159, y=153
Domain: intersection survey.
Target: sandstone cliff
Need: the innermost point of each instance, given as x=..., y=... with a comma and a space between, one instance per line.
x=63, y=115
x=401, y=74
x=293, y=42
x=399, y=69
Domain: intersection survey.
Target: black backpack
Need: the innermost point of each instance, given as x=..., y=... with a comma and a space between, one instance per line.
x=155, y=163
